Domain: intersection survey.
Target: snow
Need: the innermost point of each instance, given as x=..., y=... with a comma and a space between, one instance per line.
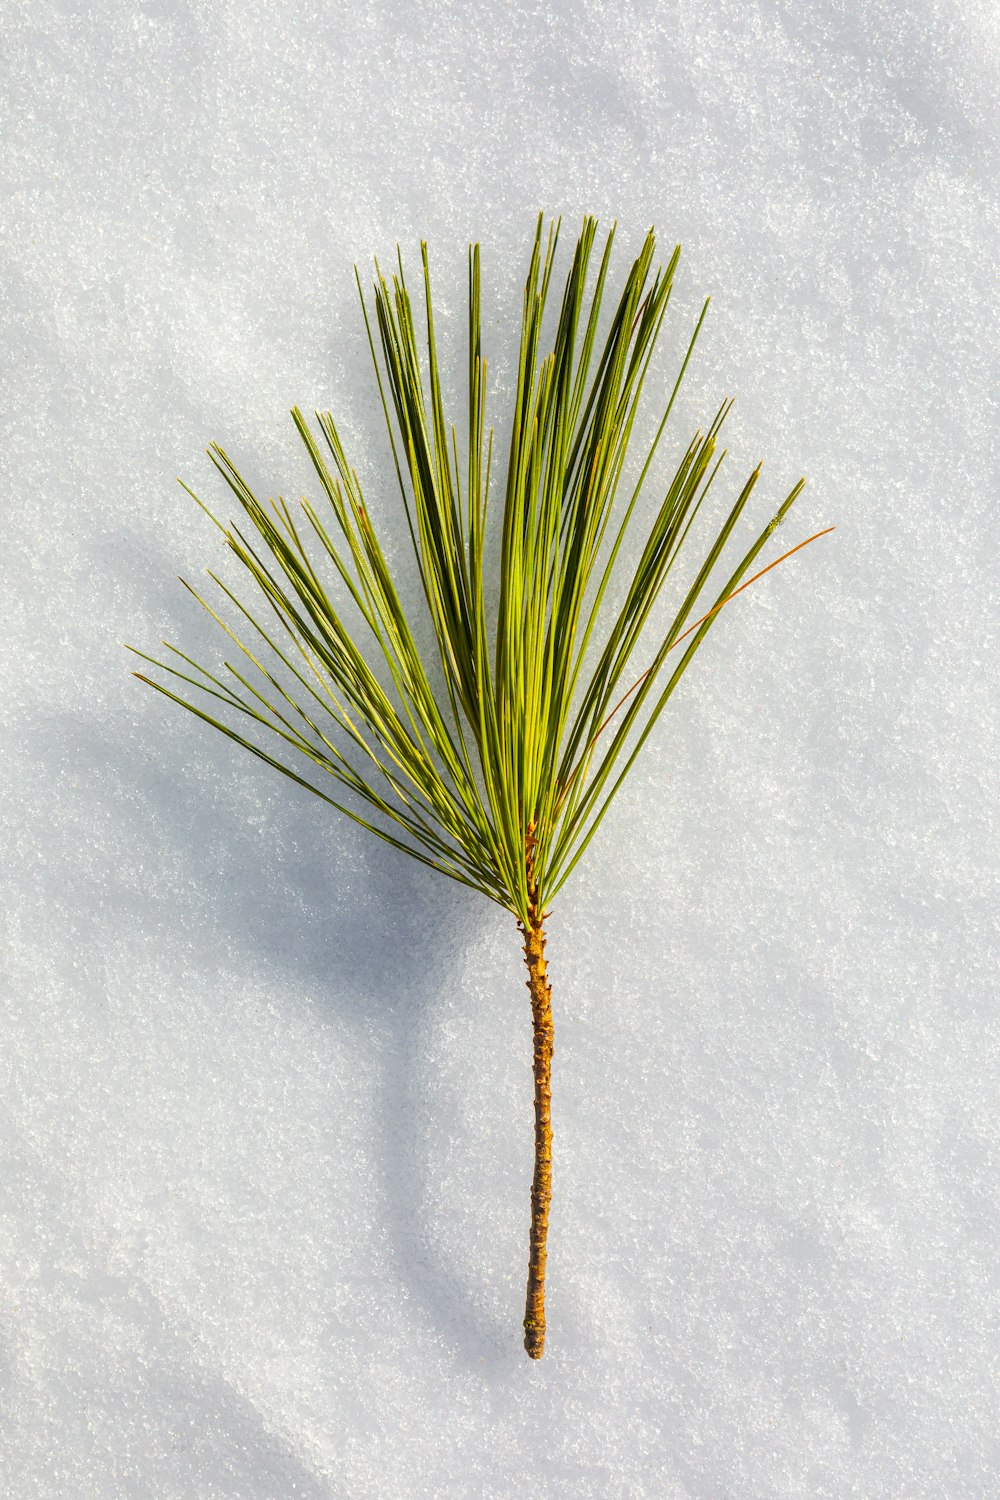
x=265, y=1094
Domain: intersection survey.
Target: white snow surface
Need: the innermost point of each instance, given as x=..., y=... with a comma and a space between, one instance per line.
x=265, y=1088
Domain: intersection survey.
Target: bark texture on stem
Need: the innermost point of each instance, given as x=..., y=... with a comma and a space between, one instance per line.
x=541, y=1184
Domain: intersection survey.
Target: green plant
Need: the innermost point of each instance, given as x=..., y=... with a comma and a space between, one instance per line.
x=500, y=777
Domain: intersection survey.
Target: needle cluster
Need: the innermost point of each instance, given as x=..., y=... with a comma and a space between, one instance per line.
x=532, y=730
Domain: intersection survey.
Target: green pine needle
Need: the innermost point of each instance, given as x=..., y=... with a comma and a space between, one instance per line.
x=546, y=701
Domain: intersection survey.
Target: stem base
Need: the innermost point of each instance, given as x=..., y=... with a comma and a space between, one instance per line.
x=541, y=1184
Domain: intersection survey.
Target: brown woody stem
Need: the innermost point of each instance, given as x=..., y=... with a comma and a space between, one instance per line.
x=541, y=1184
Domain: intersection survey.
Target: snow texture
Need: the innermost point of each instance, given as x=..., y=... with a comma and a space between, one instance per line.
x=266, y=1095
